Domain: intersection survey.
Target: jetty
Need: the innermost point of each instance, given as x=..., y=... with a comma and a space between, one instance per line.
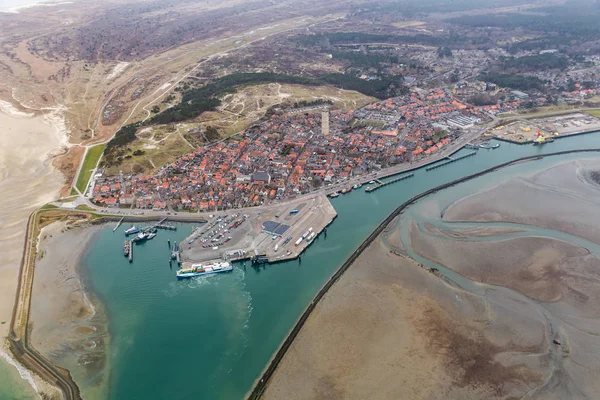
x=379, y=184
x=118, y=224
x=168, y=227
x=450, y=160
x=130, y=251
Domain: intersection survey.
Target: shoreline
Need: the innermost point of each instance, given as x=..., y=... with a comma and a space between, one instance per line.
x=72, y=332
x=262, y=382
x=29, y=143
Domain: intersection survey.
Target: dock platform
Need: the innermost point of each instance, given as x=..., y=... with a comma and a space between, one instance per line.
x=450, y=160
x=251, y=238
x=379, y=184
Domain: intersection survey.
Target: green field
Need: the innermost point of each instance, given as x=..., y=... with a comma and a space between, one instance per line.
x=595, y=113
x=89, y=163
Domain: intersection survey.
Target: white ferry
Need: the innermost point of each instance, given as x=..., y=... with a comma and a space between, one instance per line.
x=204, y=269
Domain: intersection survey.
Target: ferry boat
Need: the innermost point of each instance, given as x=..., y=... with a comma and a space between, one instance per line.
x=144, y=236
x=126, y=248
x=132, y=230
x=204, y=269
x=357, y=186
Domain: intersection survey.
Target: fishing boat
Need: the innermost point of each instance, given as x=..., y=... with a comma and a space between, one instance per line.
x=334, y=195
x=204, y=269
x=357, y=186
x=126, y=248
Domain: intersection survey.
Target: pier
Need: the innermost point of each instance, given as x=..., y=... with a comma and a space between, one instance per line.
x=380, y=184
x=168, y=227
x=130, y=251
x=270, y=236
x=450, y=160
x=118, y=224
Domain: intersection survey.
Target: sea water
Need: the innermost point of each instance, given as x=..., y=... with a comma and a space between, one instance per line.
x=211, y=337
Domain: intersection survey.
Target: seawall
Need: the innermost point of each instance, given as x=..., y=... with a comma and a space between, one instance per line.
x=262, y=382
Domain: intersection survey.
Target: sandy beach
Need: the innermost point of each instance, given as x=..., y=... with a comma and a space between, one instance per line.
x=27, y=181
x=69, y=327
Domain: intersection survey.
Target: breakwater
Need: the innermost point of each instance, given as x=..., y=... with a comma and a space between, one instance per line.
x=19, y=333
x=261, y=384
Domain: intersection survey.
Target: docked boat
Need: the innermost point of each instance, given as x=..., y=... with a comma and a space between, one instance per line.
x=334, y=195
x=131, y=231
x=174, y=251
x=542, y=141
x=357, y=186
x=126, y=248
x=346, y=190
x=204, y=269
x=487, y=146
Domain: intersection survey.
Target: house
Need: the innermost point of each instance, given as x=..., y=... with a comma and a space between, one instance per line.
x=261, y=176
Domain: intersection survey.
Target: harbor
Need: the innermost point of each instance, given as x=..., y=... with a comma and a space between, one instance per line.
x=248, y=312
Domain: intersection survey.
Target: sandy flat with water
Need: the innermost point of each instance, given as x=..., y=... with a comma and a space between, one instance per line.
x=27, y=181
x=523, y=322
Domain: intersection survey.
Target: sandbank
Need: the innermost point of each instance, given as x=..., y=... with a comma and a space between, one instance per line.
x=27, y=181
x=68, y=326
x=389, y=329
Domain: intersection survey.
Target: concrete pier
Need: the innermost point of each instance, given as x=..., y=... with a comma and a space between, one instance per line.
x=450, y=160
x=277, y=234
x=118, y=224
x=380, y=184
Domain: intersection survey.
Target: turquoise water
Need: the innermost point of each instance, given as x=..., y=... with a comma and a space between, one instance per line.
x=211, y=338
x=12, y=387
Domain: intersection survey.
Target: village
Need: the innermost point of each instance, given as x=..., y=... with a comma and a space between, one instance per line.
x=295, y=153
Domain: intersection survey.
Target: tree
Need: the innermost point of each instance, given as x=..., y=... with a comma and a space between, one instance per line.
x=444, y=51
x=212, y=133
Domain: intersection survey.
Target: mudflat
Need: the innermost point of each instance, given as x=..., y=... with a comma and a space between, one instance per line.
x=496, y=310
x=68, y=327
x=389, y=329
